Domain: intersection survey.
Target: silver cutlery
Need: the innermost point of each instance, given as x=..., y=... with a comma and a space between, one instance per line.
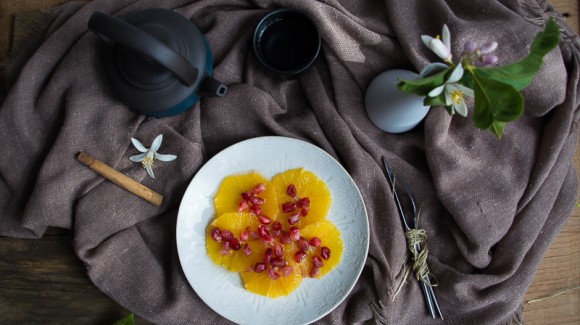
x=410, y=223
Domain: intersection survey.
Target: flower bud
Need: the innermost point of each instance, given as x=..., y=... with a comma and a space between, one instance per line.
x=488, y=47
x=469, y=47
x=488, y=59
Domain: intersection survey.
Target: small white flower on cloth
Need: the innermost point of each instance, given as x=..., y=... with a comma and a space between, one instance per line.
x=148, y=155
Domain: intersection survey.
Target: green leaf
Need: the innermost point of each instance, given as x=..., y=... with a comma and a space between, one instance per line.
x=497, y=128
x=434, y=101
x=467, y=79
x=129, y=320
x=521, y=74
x=495, y=101
x=422, y=87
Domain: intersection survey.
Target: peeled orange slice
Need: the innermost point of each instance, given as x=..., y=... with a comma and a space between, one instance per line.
x=307, y=185
x=229, y=194
x=234, y=260
x=263, y=284
x=330, y=238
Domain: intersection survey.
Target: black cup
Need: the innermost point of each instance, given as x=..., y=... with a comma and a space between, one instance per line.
x=286, y=42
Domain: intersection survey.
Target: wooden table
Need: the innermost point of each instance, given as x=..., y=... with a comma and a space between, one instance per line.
x=42, y=281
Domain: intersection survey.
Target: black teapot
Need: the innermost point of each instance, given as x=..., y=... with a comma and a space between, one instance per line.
x=158, y=62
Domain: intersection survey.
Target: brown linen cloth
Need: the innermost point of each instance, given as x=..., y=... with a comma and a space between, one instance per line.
x=490, y=207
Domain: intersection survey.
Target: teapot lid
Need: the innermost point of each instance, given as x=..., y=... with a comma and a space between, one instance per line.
x=154, y=76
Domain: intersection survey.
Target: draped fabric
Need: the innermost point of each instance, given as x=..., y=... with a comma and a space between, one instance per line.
x=490, y=207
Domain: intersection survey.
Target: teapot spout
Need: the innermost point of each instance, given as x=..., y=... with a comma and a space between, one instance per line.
x=211, y=87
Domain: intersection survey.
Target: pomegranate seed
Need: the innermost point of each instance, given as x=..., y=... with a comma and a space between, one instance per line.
x=276, y=225
x=274, y=275
x=226, y=235
x=243, y=205
x=288, y=207
x=294, y=233
x=264, y=220
x=225, y=248
x=291, y=190
x=245, y=234
x=263, y=231
x=253, y=234
x=317, y=261
x=268, y=254
x=255, y=210
x=304, y=211
x=215, y=234
x=278, y=250
x=276, y=229
x=314, y=272
x=303, y=203
x=294, y=218
x=259, y=188
x=267, y=239
x=299, y=256
x=235, y=244
x=303, y=244
x=315, y=242
x=325, y=252
x=259, y=267
x=246, y=195
x=286, y=270
x=277, y=262
x=255, y=200
x=285, y=239
x=247, y=250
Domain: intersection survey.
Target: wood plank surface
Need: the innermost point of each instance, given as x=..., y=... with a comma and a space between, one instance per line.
x=43, y=282
x=8, y=10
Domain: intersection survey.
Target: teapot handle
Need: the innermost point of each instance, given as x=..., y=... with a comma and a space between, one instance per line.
x=114, y=30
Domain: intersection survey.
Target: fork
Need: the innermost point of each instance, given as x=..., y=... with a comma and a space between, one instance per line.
x=428, y=291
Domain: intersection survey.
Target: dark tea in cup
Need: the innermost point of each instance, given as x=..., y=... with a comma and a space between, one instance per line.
x=286, y=42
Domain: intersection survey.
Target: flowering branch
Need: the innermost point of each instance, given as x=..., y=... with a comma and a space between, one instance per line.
x=495, y=90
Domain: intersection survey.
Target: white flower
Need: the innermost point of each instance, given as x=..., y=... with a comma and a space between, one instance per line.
x=454, y=92
x=148, y=155
x=441, y=46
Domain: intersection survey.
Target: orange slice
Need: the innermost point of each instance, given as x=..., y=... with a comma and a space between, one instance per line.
x=262, y=284
x=308, y=185
x=330, y=237
x=235, y=260
x=229, y=194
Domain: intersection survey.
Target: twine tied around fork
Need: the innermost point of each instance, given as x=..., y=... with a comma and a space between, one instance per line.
x=418, y=238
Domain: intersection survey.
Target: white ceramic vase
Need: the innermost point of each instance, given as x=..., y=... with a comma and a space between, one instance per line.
x=392, y=110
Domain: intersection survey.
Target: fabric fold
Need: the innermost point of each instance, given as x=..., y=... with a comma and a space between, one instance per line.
x=490, y=207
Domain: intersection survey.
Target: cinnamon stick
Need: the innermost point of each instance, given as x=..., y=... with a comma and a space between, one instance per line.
x=118, y=178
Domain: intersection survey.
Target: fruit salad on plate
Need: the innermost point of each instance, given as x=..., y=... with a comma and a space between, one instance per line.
x=275, y=233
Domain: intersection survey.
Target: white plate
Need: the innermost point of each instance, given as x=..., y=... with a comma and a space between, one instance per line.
x=224, y=291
